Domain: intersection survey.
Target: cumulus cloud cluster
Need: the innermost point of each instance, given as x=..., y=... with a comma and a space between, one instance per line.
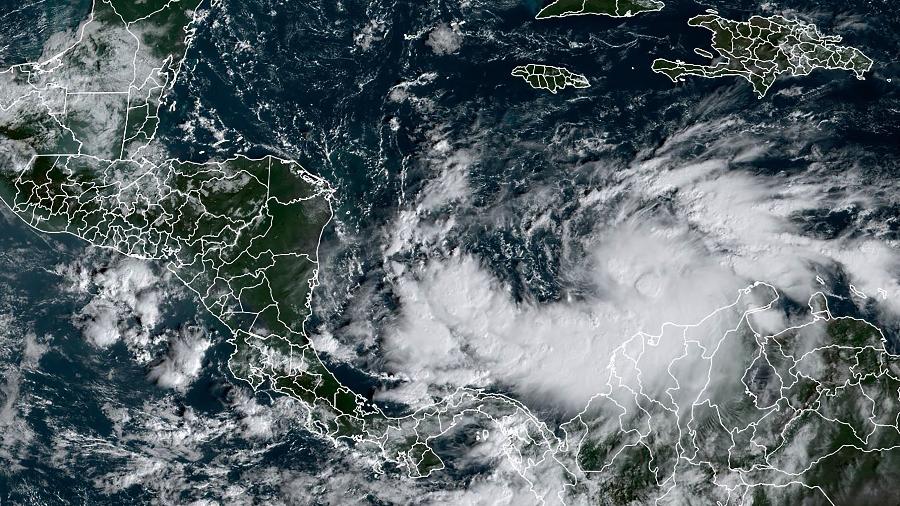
x=184, y=359
x=444, y=39
x=745, y=220
x=460, y=326
x=427, y=221
x=126, y=296
x=674, y=236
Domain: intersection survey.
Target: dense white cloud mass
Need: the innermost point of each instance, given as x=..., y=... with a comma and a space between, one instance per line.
x=100, y=323
x=183, y=361
x=444, y=39
x=126, y=296
x=673, y=240
x=462, y=328
x=133, y=283
x=744, y=220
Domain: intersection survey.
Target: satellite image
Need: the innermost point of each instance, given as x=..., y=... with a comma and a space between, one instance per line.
x=465, y=252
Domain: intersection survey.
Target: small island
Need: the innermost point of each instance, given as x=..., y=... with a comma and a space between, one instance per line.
x=763, y=48
x=611, y=8
x=550, y=78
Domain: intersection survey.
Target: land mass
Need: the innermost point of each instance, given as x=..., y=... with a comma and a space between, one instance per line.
x=805, y=414
x=764, y=48
x=739, y=411
x=611, y=8
x=550, y=78
x=243, y=234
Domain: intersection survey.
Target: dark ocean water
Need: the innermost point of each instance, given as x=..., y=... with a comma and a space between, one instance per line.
x=290, y=78
x=73, y=380
x=306, y=90
x=55, y=411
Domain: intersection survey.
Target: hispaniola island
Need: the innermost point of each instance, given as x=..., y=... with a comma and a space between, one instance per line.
x=462, y=252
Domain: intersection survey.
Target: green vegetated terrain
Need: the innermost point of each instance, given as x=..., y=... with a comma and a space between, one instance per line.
x=763, y=48
x=612, y=8
x=249, y=254
x=817, y=405
x=242, y=233
x=550, y=78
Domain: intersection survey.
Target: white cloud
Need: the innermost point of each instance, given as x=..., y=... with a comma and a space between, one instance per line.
x=35, y=348
x=371, y=32
x=16, y=433
x=452, y=183
x=444, y=39
x=745, y=222
x=460, y=327
x=183, y=362
x=674, y=236
x=126, y=299
x=428, y=222
x=134, y=283
x=99, y=323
